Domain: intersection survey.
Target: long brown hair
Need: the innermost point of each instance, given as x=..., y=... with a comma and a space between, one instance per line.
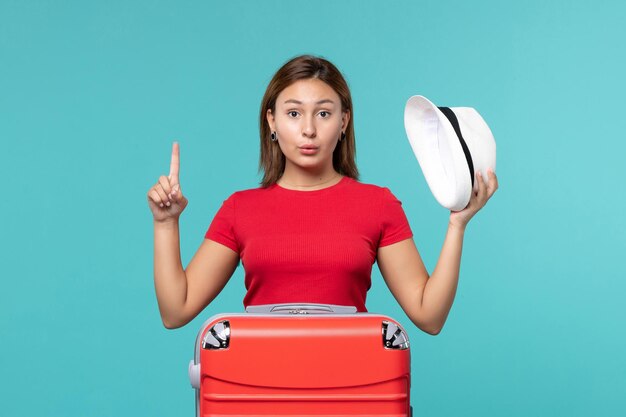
x=272, y=160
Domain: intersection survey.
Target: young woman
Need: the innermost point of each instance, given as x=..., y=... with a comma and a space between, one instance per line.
x=311, y=232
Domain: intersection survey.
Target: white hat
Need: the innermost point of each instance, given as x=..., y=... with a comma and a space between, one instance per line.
x=451, y=144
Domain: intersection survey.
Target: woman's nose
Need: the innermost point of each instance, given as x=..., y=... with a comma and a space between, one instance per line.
x=308, y=128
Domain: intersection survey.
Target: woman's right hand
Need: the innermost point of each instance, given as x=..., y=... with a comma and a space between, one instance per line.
x=166, y=198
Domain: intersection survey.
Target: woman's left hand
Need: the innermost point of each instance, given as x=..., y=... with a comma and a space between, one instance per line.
x=477, y=201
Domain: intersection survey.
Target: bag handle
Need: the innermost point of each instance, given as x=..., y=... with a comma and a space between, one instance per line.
x=300, y=308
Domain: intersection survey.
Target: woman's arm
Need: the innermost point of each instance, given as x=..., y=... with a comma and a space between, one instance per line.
x=425, y=300
x=428, y=300
x=182, y=294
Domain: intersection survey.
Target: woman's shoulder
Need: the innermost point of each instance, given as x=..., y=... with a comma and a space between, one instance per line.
x=368, y=188
x=251, y=193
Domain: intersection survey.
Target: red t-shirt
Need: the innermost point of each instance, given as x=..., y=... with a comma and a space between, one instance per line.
x=309, y=246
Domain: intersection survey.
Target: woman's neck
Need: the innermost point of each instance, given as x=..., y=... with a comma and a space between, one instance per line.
x=308, y=181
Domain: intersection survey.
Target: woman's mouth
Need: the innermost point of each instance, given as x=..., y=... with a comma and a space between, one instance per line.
x=308, y=150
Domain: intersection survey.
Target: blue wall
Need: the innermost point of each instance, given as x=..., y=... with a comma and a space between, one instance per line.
x=93, y=93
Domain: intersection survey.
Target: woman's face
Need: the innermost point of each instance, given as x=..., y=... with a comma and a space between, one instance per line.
x=308, y=121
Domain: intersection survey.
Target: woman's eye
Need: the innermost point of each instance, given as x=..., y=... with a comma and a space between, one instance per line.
x=324, y=114
x=293, y=113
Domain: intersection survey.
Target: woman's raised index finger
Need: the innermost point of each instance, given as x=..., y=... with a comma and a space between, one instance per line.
x=175, y=163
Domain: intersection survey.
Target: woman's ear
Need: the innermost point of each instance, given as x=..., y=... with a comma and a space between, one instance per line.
x=270, y=119
x=345, y=118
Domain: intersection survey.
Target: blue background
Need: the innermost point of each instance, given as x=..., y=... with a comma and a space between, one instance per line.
x=92, y=94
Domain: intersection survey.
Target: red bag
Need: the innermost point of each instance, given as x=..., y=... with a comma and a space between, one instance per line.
x=301, y=359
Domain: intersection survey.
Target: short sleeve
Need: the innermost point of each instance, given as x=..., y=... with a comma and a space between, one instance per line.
x=222, y=228
x=394, y=224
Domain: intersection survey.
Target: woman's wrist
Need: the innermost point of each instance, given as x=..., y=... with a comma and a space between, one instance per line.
x=457, y=226
x=169, y=223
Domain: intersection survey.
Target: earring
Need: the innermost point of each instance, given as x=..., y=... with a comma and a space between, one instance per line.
x=343, y=136
x=274, y=137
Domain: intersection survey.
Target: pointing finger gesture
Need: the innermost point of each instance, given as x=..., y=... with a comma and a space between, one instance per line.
x=165, y=198
x=174, y=165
